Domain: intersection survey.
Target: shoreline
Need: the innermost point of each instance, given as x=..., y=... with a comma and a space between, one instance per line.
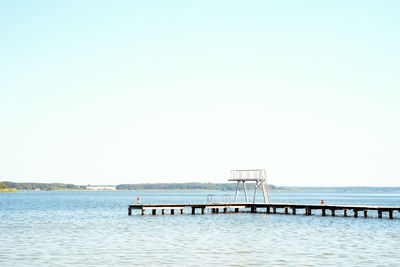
x=9, y=190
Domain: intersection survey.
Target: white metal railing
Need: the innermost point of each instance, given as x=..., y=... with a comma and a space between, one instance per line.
x=249, y=174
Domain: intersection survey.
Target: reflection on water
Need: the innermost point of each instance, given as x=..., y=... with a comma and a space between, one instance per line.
x=92, y=228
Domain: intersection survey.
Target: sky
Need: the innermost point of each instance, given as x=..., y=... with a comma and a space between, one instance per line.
x=110, y=92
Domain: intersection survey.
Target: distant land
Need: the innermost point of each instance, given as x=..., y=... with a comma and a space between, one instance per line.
x=5, y=189
x=190, y=186
x=43, y=186
x=145, y=186
x=344, y=189
x=184, y=186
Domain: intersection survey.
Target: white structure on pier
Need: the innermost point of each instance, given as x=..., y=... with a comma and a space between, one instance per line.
x=259, y=176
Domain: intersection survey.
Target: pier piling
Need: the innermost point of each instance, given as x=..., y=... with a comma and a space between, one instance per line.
x=308, y=211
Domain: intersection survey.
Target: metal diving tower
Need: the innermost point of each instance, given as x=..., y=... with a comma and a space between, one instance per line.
x=259, y=176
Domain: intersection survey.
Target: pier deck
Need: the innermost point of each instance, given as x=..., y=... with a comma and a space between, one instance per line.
x=284, y=208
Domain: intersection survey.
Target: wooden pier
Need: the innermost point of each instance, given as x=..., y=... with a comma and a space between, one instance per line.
x=282, y=208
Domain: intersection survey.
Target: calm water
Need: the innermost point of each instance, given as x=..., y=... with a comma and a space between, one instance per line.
x=92, y=228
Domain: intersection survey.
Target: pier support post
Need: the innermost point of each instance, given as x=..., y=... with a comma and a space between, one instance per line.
x=333, y=212
x=193, y=210
x=286, y=210
x=203, y=210
x=365, y=213
x=345, y=212
x=129, y=211
x=217, y=210
x=154, y=211
x=391, y=214
x=182, y=211
x=274, y=210
x=294, y=211
x=268, y=210
x=355, y=213
x=225, y=210
x=172, y=211
x=308, y=211
x=379, y=214
x=143, y=212
x=163, y=211
x=236, y=210
x=253, y=209
x=323, y=212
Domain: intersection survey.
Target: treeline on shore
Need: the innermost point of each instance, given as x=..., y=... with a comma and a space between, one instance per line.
x=43, y=186
x=11, y=186
x=185, y=186
x=344, y=189
x=5, y=189
x=144, y=186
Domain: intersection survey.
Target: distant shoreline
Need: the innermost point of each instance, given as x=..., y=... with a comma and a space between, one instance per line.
x=8, y=190
x=192, y=186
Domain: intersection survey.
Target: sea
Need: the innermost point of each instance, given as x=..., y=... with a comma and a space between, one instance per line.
x=92, y=228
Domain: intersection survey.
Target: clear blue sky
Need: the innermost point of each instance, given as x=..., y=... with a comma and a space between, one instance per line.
x=108, y=92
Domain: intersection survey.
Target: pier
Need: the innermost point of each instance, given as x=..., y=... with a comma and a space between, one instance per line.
x=259, y=178
x=268, y=208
